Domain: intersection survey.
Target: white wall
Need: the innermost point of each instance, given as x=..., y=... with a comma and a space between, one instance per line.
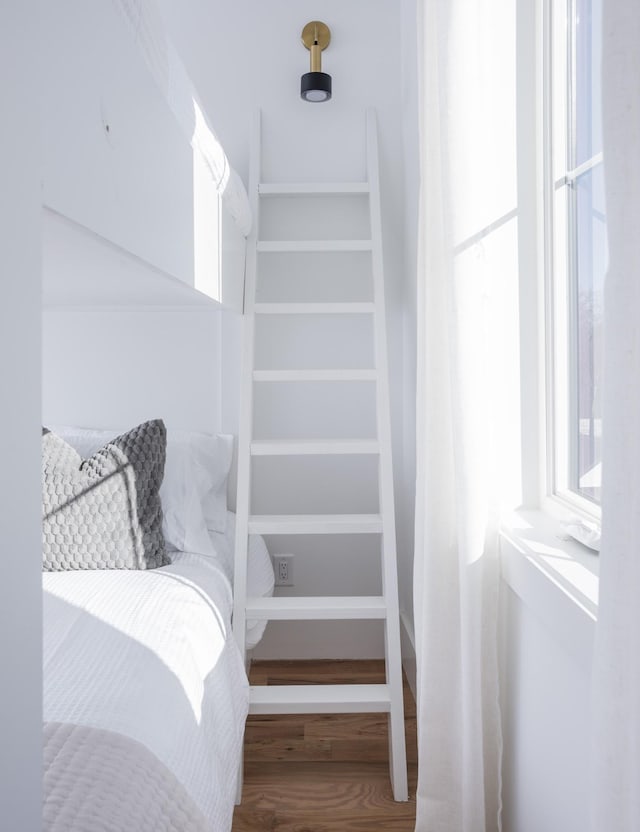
x=20, y=497
x=118, y=157
x=546, y=719
x=118, y=366
x=247, y=55
x=125, y=176
x=131, y=344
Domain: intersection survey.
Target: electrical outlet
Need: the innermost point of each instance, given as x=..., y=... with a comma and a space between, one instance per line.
x=283, y=568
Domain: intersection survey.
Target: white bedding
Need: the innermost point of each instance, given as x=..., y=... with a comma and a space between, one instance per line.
x=260, y=577
x=150, y=655
x=100, y=781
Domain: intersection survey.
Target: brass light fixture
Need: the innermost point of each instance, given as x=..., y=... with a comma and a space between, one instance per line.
x=316, y=85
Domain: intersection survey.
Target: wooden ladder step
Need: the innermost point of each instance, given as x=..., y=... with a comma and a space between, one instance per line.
x=313, y=245
x=318, y=699
x=314, y=308
x=304, y=447
x=315, y=524
x=315, y=375
x=312, y=188
x=316, y=608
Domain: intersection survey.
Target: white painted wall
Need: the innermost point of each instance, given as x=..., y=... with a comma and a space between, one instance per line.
x=119, y=161
x=114, y=356
x=546, y=719
x=247, y=55
x=20, y=497
x=115, y=159
x=118, y=366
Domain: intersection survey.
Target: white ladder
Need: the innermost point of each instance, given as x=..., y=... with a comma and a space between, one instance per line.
x=386, y=697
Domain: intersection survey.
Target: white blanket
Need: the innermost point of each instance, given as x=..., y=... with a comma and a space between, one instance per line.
x=150, y=655
x=97, y=780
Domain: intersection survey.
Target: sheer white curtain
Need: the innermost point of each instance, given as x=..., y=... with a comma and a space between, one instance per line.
x=467, y=415
x=616, y=748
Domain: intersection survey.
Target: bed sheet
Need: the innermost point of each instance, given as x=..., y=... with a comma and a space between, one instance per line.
x=151, y=655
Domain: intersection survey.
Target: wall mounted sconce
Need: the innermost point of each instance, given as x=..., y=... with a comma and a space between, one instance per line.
x=316, y=85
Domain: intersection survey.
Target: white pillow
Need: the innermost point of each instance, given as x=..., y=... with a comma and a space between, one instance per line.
x=195, y=485
x=194, y=488
x=260, y=576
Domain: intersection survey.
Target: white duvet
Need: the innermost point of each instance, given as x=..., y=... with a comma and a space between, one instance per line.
x=150, y=655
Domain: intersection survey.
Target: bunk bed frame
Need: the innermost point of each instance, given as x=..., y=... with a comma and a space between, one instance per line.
x=133, y=175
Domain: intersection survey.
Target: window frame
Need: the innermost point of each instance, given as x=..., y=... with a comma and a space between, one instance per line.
x=557, y=221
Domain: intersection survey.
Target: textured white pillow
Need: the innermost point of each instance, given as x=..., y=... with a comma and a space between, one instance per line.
x=194, y=489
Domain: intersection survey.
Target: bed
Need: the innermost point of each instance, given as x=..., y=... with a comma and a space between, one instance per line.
x=144, y=234
x=145, y=691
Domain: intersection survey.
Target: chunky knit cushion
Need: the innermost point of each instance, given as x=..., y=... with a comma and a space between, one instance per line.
x=104, y=512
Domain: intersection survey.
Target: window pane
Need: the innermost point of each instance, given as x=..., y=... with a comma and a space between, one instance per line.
x=588, y=117
x=590, y=265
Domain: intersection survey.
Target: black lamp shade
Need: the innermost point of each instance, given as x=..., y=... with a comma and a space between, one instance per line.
x=315, y=86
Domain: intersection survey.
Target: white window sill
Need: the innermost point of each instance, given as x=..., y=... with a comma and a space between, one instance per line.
x=555, y=576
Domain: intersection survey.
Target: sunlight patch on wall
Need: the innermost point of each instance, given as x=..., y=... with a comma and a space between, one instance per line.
x=207, y=268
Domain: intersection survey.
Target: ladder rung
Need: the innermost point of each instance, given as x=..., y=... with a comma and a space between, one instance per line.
x=302, y=447
x=365, y=245
x=315, y=524
x=314, y=308
x=316, y=608
x=315, y=375
x=312, y=188
x=313, y=699
x=313, y=245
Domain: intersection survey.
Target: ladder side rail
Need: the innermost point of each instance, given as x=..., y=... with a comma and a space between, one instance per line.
x=397, y=750
x=245, y=427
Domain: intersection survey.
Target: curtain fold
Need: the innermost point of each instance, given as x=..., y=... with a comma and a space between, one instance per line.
x=616, y=675
x=467, y=383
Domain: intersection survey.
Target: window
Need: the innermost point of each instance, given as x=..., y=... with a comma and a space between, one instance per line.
x=577, y=247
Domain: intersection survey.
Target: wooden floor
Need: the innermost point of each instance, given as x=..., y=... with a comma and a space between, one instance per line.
x=323, y=773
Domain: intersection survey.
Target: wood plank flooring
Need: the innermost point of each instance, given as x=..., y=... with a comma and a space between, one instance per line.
x=323, y=772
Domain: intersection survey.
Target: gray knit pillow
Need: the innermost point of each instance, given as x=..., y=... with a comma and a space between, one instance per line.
x=104, y=512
